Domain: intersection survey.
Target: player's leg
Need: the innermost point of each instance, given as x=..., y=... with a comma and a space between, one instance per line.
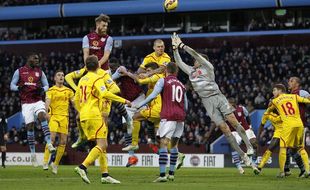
x=137, y=118
x=299, y=143
x=163, y=159
x=286, y=140
x=93, y=130
x=174, y=151
x=60, y=151
x=46, y=156
x=3, y=153
x=39, y=110
x=234, y=122
x=123, y=112
x=81, y=136
x=274, y=143
x=235, y=155
x=103, y=162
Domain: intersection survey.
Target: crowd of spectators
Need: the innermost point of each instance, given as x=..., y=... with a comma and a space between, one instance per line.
x=246, y=73
x=134, y=29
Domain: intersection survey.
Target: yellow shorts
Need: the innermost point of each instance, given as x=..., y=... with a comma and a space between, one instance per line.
x=94, y=129
x=292, y=137
x=277, y=133
x=59, y=124
x=106, y=107
x=152, y=114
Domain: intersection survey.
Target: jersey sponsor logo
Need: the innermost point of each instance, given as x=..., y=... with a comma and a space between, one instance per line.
x=37, y=74
x=95, y=47
x=25, y=73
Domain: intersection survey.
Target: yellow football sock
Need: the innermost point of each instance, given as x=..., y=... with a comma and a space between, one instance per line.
x=135, y=132
x=59, y=154
x=92, y=156
x=282, y=158
x=265, y=158
x=103, y=161
x=46, y=155
x=305, y=158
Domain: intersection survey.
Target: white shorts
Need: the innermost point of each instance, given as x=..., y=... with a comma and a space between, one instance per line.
x=31, y=110
x=249, y=133
x=170, y=129
x=131, y=111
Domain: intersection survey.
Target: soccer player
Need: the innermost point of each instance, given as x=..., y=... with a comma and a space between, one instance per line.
x=111, y=86
x=131, y=91
x=150, y=113
x=294, y=85
x=31, y=83
x=172, y=118
x=243, y=117
x=158, y=56
x=57, y=101
x=4, y=135
x=88, y=100
x=293, y=129
x=98, y=42
x=202, y=78
x=276, y=122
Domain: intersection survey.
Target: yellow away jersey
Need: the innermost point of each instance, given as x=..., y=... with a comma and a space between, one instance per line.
x=89, y=94
x=160, y=60
x=60, y=100
x=110, y=84
x=288, y=109
x=151, y=81
x=275, y=120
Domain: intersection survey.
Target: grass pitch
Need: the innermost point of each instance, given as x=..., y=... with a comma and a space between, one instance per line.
x=26, y=177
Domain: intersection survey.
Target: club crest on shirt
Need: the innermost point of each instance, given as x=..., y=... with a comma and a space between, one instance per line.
x=102, y=88
x=77, y=72
x=239, y=114
x=102, y=39
x=37, y=74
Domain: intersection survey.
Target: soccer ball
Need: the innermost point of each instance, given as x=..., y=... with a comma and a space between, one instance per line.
x=170, y=5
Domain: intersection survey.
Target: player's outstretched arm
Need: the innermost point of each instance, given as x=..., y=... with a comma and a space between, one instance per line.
x=184, y=67
x=303, y=100
x=69, y=78
x=192, y=52
x=44, y=82
x=157, y=90
x=14, y=81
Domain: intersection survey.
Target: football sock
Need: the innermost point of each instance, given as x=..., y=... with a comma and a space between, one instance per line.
x=30, y=138
x=103, y=162
x=121, y=110
x=299, y=162
x=59, y=153
x=236, y=158
x=282, y=158
x=245, y=139
x=233, y=143
x=163, y=159
x=173, y=158
x=92, y=156
x=3, y=158
x=287, y=162
x=151, y=133
x=135, y=132
x=305, y=158
x=46, y=155
x=46, y=132
x=265, y=158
